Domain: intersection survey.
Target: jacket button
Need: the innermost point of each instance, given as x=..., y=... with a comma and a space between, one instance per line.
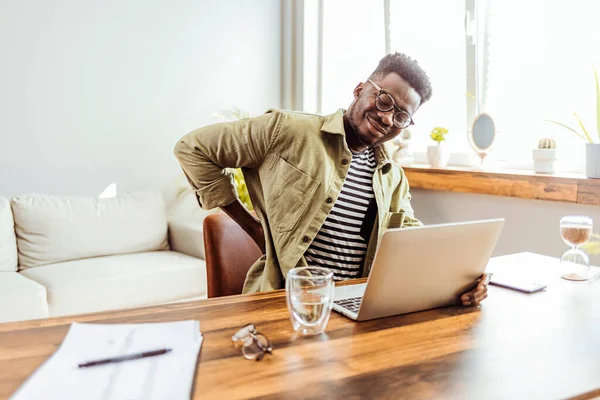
x=305, y=239
x=329, y=200
x=344, y=161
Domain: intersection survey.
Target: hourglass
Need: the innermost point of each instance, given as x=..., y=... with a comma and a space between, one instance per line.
x=575, y=230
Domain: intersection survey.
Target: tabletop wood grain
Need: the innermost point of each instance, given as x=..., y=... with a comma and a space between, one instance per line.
x=537, y=346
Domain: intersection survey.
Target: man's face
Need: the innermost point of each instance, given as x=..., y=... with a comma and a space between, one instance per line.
x=367, y=124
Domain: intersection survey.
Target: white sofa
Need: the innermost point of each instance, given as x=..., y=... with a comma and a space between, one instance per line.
x=70, y=255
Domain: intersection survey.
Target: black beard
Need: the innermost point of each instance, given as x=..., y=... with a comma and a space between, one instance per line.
x=356, y=135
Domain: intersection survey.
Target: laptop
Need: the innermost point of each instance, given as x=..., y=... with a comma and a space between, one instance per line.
x=421, y=268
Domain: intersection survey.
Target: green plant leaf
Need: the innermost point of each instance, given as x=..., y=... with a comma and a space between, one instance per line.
x=593, y=246
x=597, y=102
x=237, y=113
x=587, y=135
x=567, y=127
x=183, y=190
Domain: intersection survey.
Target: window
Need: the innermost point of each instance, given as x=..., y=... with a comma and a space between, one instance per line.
x=353, y=42
x=432, y=32
x=540, y=55
x=523, y=62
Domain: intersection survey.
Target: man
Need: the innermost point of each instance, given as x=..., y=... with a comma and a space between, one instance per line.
x=323, y=187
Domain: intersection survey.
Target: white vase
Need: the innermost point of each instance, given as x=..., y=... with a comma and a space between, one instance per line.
x=592, y=160
x=437, y=156
x=543, y=160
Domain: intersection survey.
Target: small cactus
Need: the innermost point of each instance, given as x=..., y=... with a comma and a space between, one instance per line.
x=547, y=143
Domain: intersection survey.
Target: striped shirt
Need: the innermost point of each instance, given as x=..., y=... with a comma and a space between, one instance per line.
x=339, y=244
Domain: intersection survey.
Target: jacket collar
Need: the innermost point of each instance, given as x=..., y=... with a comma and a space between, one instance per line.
x=334, y=124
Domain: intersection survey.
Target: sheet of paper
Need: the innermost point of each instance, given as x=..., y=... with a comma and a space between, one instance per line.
x=167, y=376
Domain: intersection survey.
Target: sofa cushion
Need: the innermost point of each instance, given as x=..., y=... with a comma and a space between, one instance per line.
x=8, y=242
x=187, y=237
x=21, y=298
x=122, y=281
x=53, y=229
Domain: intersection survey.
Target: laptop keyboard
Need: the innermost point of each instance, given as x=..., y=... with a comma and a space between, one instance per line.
x=352, y=304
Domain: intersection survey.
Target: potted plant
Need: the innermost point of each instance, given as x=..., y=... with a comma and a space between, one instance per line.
x=544, y=156
x=437, y=155
x=593, y=245
x=592, y=149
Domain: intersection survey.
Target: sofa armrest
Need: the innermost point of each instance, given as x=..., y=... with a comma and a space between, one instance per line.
x=186, y=237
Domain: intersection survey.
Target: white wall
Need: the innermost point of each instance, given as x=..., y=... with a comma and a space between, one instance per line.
x=531, y=225
x=96, y=92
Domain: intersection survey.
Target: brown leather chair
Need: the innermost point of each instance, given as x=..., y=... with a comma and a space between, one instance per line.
x=229, y=252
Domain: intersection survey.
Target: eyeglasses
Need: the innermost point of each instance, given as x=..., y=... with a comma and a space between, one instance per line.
x=385, y=102
x=254, y=344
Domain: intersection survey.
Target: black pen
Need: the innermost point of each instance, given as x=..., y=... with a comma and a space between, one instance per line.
x=124, y=358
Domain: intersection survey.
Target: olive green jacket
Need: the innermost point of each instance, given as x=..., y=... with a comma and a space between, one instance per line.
x=294, y=165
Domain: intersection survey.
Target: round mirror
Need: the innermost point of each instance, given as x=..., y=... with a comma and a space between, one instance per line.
x=482, y=135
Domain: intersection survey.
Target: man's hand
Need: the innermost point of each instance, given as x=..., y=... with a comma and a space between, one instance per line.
x=258, y=235
x=476, y=296
x=247, y=221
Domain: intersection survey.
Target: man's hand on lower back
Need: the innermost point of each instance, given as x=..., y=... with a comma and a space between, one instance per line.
x=247, y=221
x=259, y=238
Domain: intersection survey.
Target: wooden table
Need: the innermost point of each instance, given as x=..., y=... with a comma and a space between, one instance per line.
x=540, y=346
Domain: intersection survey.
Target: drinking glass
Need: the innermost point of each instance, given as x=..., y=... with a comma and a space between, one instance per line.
x=575, y=230
x=309, y=293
